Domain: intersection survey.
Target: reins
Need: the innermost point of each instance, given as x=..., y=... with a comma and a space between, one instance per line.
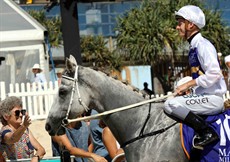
x=147, y=119
x=98, y=116
x=148, y=134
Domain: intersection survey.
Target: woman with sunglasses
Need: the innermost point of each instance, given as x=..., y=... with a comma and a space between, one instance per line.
x=17, y=141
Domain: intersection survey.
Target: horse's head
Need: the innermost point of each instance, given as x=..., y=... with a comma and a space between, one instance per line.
x=67, y=104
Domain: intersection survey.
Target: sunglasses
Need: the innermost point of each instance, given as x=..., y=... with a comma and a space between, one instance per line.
x=17, y=112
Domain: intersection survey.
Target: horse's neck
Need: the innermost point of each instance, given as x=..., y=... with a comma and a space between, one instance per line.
x=131, y=123
x=108, y=94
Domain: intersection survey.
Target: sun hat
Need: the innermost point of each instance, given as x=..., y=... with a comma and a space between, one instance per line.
x=36, y=66
x=59, y=70
x=193, y=14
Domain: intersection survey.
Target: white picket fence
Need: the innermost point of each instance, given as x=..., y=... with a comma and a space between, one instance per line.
x=38, y=99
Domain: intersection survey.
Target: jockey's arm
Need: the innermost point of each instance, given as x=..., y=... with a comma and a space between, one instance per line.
x=184, y=87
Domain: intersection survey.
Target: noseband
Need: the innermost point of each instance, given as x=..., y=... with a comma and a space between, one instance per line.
x=74, y=87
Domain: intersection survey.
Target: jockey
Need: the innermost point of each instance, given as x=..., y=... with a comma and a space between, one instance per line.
x=207, y=98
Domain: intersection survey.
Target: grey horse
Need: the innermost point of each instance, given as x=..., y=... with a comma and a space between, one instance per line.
x=144, y=140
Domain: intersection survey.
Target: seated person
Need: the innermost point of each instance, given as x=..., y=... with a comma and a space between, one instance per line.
x=76, y=142
x=111, y=143
x=17, y=141
x=96, y=144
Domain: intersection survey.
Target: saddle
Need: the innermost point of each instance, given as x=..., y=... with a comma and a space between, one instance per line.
x=214, y=152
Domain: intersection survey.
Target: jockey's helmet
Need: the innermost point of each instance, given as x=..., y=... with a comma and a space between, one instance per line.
x=193, y=14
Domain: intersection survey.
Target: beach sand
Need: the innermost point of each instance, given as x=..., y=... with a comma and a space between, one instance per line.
x=38, y=129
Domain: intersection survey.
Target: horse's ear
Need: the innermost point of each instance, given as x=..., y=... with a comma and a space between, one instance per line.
x=70, y=63
x=73, y=60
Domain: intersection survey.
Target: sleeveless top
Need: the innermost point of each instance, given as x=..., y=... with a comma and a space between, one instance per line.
x=19, y=150
x=96, y=136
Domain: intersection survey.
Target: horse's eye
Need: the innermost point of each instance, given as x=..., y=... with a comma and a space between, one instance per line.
x=62, y=92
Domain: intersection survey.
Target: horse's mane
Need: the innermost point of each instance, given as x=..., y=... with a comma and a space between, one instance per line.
x=114, y=78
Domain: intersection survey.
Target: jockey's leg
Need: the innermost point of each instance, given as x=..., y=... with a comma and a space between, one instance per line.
x=205, y=133
x=182, y=109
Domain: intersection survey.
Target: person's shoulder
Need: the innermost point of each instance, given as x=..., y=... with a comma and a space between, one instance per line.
x=106, y=130
x=6, y=127
x=203, y=42
x=40, y=74
x=205, y=47
x=59, y=138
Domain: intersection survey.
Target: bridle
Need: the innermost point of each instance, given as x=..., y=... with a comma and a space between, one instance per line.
x=75, y=87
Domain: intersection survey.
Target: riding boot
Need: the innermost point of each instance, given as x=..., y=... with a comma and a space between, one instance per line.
x=205, y=133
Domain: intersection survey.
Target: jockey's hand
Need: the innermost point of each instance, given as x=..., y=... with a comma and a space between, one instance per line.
x=182, y=89
x=98, y=158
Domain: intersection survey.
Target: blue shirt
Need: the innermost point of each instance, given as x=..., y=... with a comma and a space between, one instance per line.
x=78, y=137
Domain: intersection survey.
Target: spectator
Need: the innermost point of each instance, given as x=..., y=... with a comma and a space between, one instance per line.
x=96, y=144
x=111, y=144
x=39, y=77
x=227, y=63
x=146, y=91
x=59, y=76
x=76, y=142
x=17, y=141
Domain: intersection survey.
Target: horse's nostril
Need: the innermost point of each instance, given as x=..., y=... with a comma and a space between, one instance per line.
x=47, y=127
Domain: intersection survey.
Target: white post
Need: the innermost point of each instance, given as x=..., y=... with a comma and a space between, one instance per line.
x=3, y=91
